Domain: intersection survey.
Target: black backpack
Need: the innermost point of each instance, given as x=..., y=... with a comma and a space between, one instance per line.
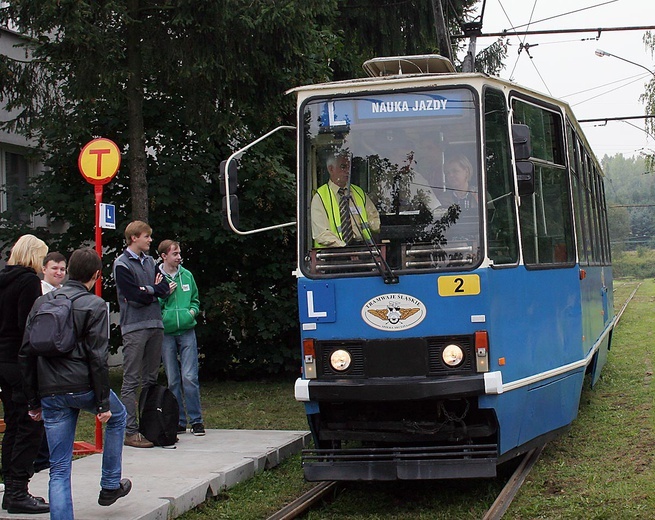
x=52, y=328
x=158, y=415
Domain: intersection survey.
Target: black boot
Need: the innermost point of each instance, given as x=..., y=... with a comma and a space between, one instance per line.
x=5, y=495
x=20, y=501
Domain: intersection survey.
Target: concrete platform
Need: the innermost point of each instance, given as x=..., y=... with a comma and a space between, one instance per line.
x=169, y=482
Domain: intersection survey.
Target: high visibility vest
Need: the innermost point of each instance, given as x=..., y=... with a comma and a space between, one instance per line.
x=331, y=205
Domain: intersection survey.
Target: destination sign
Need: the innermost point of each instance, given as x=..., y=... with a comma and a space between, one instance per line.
x=342, y=112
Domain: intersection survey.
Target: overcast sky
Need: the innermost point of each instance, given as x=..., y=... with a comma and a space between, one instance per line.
x=565, y=65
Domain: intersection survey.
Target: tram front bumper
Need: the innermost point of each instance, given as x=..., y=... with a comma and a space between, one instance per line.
x=398, y=388
x=401, y=463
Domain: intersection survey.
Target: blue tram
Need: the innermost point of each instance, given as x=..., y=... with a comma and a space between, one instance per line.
x=451, y=325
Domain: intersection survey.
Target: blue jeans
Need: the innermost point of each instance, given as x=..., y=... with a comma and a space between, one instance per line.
x=183, y=375
x=60, y=414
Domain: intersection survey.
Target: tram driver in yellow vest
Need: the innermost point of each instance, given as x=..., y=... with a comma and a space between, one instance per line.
x=342, y=214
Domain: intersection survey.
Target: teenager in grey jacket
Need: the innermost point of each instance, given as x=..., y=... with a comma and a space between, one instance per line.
x=139, y=284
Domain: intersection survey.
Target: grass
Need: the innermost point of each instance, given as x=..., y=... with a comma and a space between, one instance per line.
x=637, y=264
x=601, y=469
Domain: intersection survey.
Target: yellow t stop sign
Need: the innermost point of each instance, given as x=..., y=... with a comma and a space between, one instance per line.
x=99, y=161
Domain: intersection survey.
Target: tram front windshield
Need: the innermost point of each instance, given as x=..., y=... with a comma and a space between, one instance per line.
x=391, y=179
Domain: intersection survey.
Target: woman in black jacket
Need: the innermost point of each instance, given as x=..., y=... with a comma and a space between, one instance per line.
x=19, y=288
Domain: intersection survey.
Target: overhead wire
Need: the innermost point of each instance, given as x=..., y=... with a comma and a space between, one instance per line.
x=607, y=92
x=638, y=76
x=560, y=15
x=523, y=46
x=563, y=41
x=540, y=76
x=521, y=43
x=639, y=128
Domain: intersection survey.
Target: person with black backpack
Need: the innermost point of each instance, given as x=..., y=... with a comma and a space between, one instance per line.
x=63, y=378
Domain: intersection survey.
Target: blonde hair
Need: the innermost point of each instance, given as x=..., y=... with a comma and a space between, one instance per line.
x=28, y=251
x=462, y=161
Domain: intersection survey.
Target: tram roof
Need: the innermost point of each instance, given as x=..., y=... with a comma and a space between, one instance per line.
x=402, y=71
x=430, y=69
x=358, y=83
x=400, y=81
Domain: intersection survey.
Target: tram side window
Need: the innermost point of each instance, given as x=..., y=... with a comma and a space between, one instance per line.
x=600, y=215
x=586, y=206
x=501, y=215
x=589, y=204
x=579, y=205
x=545, y=216
x=593, y=173
x=590, y=216
x=607, y=252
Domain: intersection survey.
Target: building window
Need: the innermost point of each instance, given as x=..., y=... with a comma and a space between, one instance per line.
x=14, y=176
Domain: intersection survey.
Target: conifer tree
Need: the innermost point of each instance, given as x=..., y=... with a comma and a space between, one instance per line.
x=179, y=85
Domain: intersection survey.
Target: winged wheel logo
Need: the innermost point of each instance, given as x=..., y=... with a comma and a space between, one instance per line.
x=393, y=312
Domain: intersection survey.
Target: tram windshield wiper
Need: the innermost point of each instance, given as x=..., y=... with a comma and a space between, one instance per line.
x=499, y=198
x=386, y=272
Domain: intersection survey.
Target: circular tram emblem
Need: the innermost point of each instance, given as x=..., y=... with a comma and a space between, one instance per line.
x=393, y=312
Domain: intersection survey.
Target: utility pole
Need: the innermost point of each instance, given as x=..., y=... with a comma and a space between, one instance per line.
x=443, y=38
x=472, y=30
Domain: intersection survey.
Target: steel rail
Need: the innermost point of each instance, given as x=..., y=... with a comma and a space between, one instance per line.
x=625, y=305
x=505, y=497
x=304, y=502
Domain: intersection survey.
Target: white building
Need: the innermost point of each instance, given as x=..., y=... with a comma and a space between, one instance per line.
x=16, y=166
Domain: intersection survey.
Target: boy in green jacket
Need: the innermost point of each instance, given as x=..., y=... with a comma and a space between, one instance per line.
x=179, y=312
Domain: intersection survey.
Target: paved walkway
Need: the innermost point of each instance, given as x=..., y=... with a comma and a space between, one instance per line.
x=169, y=482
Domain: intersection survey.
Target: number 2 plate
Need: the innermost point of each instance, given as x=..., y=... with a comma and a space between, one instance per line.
x=460, y=285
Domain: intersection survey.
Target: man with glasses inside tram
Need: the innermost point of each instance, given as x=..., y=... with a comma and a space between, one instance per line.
x=342, y=214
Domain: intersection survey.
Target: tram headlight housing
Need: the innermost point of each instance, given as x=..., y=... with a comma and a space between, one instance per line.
x=340, y=360
x=452, y=355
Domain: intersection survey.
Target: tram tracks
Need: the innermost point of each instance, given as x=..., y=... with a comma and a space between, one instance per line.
x=321, y=491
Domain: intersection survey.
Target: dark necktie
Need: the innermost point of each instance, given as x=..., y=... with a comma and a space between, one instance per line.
x=344, y=211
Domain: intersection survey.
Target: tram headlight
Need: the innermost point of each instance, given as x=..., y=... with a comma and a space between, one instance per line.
x=340, y=360
x=452, y=355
